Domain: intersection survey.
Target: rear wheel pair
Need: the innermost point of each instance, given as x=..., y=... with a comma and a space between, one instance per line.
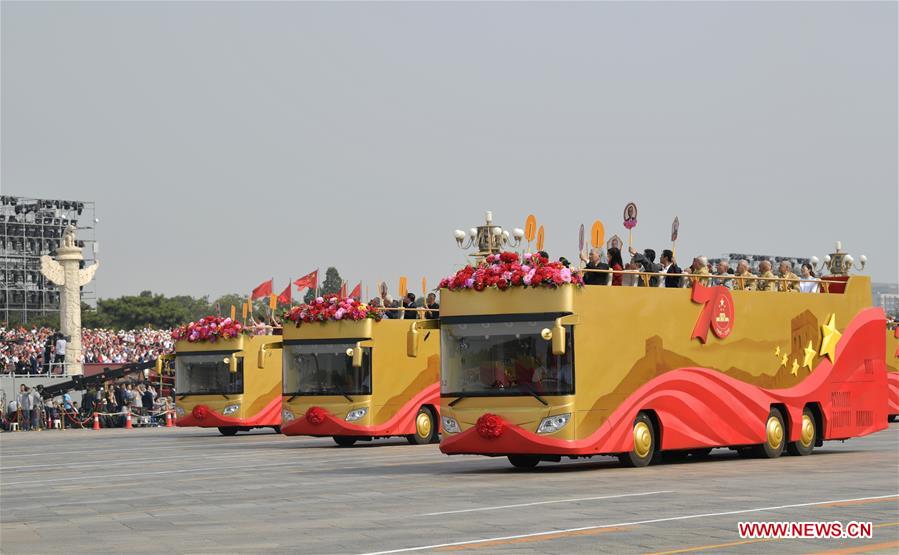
x=776, y=440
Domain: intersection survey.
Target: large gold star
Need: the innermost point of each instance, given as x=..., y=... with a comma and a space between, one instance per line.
x=809, y=356
x=830, y=339
x=795, y=368
x=777, y=352
x=783, y=361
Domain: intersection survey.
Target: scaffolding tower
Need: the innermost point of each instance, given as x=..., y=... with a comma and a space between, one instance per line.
x=30, y=228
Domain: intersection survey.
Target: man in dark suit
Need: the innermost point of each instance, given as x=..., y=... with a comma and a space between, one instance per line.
x=647, y=261
x=594, y=262
x=669, y=267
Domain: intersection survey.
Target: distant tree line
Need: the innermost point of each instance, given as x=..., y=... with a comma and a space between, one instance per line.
x=158, y=311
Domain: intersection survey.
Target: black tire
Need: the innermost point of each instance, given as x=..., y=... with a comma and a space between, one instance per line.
x=645, y=432
x=808, y=436
x=277, y=429
x=524, y=461
x=425, y=427
x=229, y=431
x=768, y=450
x=344, y=441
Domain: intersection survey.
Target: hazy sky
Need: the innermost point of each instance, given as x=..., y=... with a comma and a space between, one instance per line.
x=228, y=143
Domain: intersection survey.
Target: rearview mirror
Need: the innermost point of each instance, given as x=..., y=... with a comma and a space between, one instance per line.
x=356, y=354
x=558, y=339
x=412, y=342
x=260, y=360
x=232, y=364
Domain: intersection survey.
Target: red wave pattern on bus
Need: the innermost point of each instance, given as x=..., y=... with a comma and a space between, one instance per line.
x=401, y=423
x=270, y=415
x=700, y=407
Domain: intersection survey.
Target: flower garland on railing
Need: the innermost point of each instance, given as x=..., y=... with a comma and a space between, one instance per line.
x=210, y=328
x=330, y=307
x=506, y=270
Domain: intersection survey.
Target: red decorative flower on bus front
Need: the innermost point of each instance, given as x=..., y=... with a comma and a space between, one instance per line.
x=200, y=412
x=490, y=426
x=316, y=415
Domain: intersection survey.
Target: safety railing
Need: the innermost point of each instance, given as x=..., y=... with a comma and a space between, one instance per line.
x=742, y=283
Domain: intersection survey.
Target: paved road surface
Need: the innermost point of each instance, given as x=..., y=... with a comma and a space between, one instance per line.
x=193, y=491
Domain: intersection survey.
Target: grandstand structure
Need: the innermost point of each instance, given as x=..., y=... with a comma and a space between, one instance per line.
x=29, y=229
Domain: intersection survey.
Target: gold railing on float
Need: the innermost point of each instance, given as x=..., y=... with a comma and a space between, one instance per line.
x=744, y=281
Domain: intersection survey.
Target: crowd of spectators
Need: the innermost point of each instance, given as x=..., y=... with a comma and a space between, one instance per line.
x=36, y=350
x=30, y=411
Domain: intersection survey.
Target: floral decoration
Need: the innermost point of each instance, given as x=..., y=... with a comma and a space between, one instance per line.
x=315, y=415
x=331, y=307
x=506, y=269
x=490, y=426
x=200, y=412
x=210, y=328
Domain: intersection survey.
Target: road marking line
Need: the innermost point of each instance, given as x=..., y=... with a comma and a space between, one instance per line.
x=860, y=548
x=716, y=546
x=575, y=500
x=623, y=524
x=526, y=540
x=846, y=503
x=71, y=479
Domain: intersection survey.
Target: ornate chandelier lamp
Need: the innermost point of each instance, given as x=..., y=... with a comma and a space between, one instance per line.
x=488, y=238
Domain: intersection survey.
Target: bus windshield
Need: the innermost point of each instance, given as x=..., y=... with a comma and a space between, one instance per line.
x=207, y=373
x=325, y=369
x=503, y=358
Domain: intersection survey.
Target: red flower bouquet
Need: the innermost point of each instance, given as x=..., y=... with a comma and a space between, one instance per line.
x=505, y=270
x=490, y=426
x=210, y=328
x=331, y=307
x=315, y=415
x=200, y=412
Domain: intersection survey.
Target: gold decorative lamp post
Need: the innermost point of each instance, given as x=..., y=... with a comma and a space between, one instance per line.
x=488, y=238
x=839, y=263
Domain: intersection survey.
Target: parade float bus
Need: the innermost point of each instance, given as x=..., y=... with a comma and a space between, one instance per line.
x=892, y=357
x=356, y=380
x=558, y=369
x=233, y=384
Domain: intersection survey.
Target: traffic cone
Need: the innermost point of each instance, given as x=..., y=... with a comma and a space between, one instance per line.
x=128, y=420
x=96, y=421
x=168, y=419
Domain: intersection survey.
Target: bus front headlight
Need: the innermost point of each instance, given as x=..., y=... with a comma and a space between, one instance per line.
x=450, y=425
x=552, y=424
x=286, y=415
x=356, y=414
x=230, y=409
x=179, y=411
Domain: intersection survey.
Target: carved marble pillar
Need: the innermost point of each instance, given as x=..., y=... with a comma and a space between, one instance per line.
x=65, y=273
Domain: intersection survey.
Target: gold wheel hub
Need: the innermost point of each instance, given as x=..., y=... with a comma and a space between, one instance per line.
x=423, y=425
x=808, y=431
x=775, y=433
x=642, y=439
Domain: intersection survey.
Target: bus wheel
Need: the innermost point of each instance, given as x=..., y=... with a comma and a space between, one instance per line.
x=425, y=427
x=344, y=441
x=644, y=443
x=230, y=431
x=524, y=461
x=807, y=436
x=774, y=436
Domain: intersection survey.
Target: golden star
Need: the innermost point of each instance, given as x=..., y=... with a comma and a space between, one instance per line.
x=809, y=356
x=830, y=339
x=783, y=361
x=777, y=352
x=795, y=368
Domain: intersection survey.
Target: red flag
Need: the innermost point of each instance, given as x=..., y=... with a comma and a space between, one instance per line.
x=263, y=290
x=286, y=296
x=356, y=293
x=342, y=294
x=309, y=280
